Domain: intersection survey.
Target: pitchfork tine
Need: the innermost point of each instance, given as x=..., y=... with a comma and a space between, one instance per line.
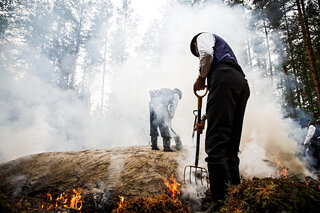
x=203, y=171
x=195, y=175
x=190, y=175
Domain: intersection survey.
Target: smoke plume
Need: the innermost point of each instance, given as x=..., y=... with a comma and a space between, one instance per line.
x=38, y=117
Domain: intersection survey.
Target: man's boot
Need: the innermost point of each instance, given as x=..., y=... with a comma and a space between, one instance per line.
x=154, y=143
x=216, y=187
x=178, y=142
x=166, y=144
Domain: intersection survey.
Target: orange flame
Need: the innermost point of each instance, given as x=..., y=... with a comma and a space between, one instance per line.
x=76, y=202
x=20, y=202
x=307, y=182
x=284, y=171
x=319, y=187
x=120, y=203
x=62, y=200
x=49, y=206
x=173, y=187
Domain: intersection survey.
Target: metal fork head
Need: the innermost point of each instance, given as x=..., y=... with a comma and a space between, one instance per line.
x=199, y=173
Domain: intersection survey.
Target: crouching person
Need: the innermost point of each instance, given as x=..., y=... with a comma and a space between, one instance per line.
x=162, y=108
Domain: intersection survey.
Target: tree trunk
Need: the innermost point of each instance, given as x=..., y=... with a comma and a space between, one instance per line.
x=248, y=37
x=309, y=94
x=83, y=81
x=62, y=73
x=307, y=42
x=103, y=75
x=294, y=70
x=268, y=48
x=77, y=48
x=293, y=113
x=249, y=52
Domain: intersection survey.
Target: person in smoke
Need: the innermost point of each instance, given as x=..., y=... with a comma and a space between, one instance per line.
x=311, y=144
x=226, y=103
x=162, y=108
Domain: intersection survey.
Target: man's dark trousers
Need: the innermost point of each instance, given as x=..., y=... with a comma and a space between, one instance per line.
x=226, y=103
x=158, y=119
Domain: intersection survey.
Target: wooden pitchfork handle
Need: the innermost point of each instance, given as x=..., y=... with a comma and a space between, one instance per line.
x=199, y=120
x=200, y=96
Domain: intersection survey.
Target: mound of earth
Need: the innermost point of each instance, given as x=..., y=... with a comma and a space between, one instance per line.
x=131, y=179
x=102, y=175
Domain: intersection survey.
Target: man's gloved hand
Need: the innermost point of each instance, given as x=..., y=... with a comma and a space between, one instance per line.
x=199, y=84
x=307, y=144
x=200, y=126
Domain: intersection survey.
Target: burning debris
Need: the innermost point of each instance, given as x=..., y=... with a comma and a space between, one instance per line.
x=273, y=195
x=69, y=199
x=284, y=170
x=155, y=203
x=167, y=202
x=172, y=189
x=145, y=183
x=285, y=194
x=49, y=201
x=120, y=203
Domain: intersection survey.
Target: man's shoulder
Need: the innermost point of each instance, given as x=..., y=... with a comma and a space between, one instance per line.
x=312, y=126
x=206, y=36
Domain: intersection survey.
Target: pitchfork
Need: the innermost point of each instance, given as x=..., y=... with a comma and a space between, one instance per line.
x=198, y=171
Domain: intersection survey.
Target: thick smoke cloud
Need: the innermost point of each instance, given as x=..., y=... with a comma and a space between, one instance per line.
x=38, y=117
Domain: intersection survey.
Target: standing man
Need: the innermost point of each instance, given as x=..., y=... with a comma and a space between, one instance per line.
x=312, y=144
x=226, y=103
x=162, y=107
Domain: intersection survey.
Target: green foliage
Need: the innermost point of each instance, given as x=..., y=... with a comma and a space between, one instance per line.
x=6, y=7
x=278, y=21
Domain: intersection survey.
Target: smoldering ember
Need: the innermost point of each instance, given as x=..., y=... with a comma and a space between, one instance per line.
x=159, y=106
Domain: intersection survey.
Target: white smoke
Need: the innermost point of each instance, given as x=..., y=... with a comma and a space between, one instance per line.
x=38, y=117
x=267, y=135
